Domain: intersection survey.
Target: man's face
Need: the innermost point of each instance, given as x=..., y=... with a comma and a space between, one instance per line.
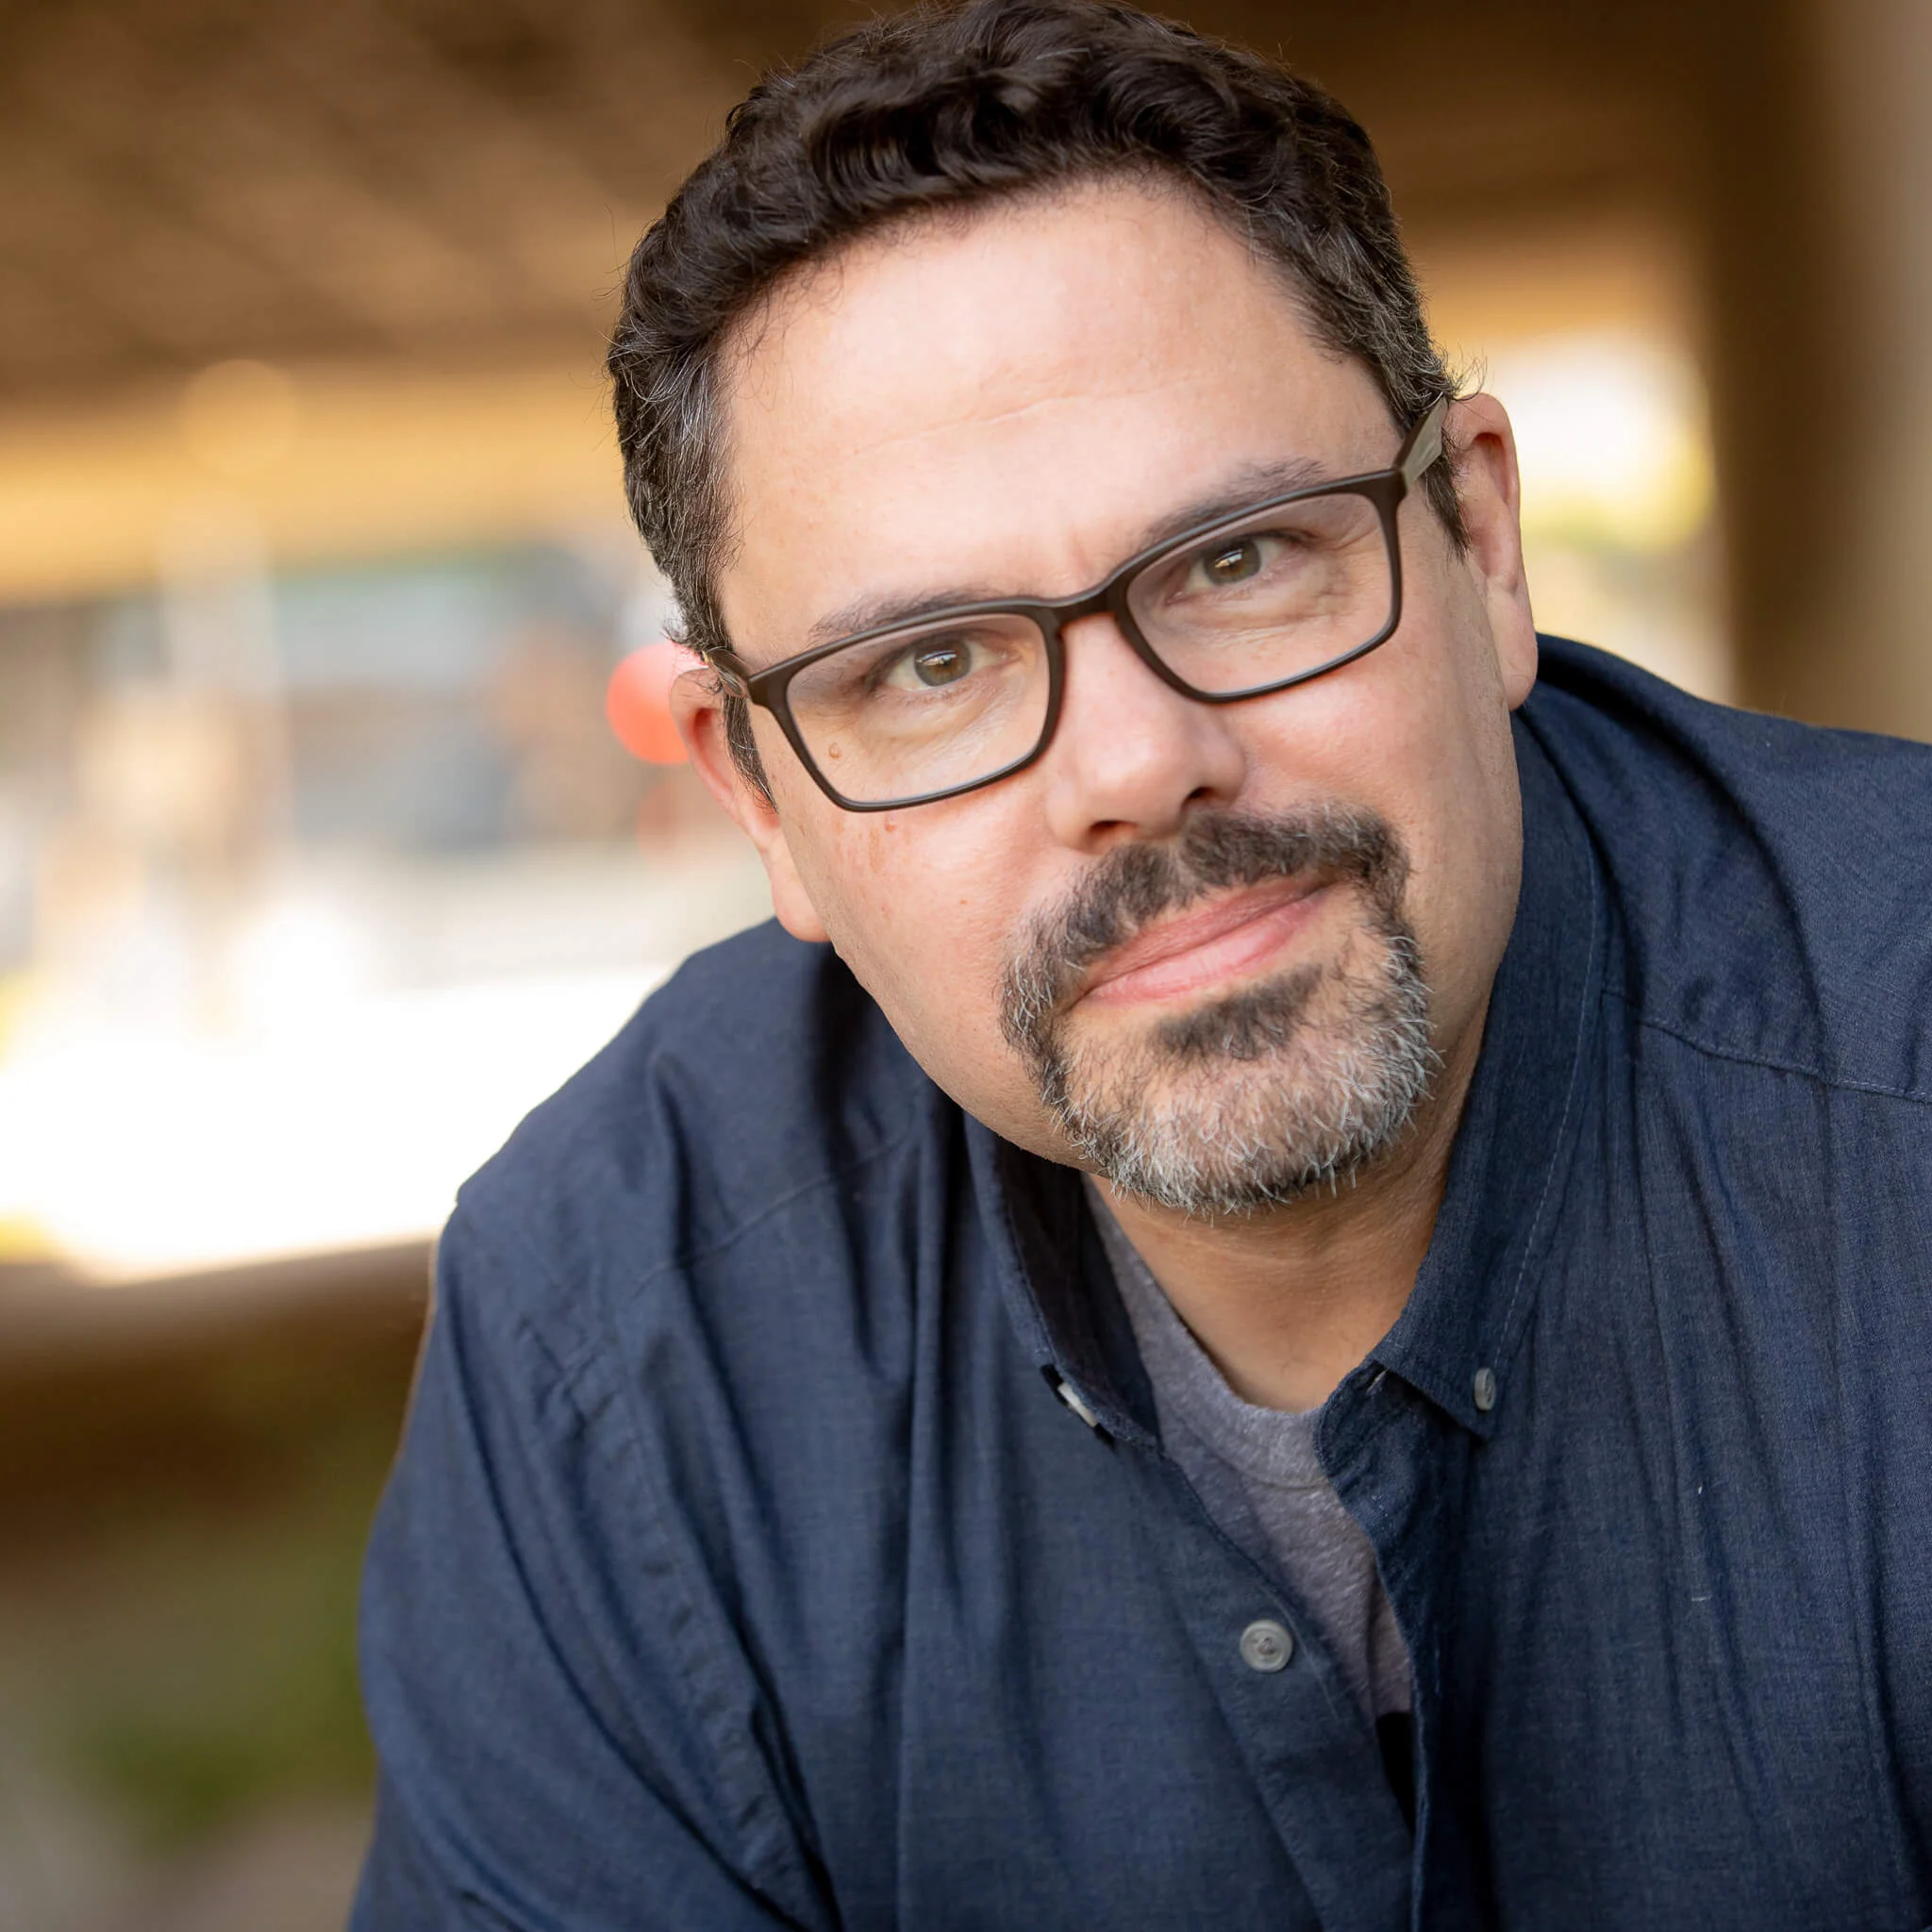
x=1213, y=951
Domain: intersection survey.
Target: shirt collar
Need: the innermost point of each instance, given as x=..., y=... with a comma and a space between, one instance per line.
x=1520, y=1122
x=1506, y=1172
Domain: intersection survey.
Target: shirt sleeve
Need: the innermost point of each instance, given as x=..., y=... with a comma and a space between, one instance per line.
x=566, y=1729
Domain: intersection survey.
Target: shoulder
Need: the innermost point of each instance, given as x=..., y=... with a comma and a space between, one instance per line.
x=759, y=1075
x=1771, y=879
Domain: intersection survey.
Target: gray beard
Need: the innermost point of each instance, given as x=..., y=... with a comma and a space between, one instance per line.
x=1296, y=1083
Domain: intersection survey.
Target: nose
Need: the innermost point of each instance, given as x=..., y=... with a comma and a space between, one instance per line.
x=1132, y=757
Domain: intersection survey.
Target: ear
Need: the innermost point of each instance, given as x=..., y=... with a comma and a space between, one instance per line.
x=1491, y=494
x=697, y=708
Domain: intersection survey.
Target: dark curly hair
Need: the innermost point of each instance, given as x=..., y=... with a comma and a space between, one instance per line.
x=949, y=106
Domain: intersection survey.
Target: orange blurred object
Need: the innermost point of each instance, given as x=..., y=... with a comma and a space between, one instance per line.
x=637, y=701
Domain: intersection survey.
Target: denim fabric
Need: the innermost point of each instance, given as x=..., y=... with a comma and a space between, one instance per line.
x=743, y=1567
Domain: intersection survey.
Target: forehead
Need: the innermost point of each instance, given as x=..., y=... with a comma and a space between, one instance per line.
x=1006, y=402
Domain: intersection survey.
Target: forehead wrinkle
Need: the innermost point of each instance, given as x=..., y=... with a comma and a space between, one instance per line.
x=1059, y=388
x=1250, y=483
x=971, y=419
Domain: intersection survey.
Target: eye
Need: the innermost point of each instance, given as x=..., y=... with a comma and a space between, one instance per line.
x=940, y=664
x=1233, y=563
x=937, y=663
x=1236, y=561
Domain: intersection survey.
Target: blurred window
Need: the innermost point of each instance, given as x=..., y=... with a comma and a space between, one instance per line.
x=310, y=883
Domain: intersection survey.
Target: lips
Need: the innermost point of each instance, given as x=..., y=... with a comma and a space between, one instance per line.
x=1226, y=940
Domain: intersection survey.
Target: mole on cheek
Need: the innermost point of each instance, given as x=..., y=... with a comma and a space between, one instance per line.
x=878, y=850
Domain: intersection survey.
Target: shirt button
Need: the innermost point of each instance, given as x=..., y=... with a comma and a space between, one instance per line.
x=1266, y=1646
x=1484, y=1389
x=1067, y=1393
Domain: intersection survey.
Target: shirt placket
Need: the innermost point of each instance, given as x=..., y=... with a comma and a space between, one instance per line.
x=1311, y=1750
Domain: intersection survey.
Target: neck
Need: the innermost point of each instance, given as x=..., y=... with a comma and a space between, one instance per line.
x=1287, y=1302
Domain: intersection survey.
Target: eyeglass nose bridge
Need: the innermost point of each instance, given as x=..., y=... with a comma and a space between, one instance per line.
x=1108, y=599
x=1094, y=603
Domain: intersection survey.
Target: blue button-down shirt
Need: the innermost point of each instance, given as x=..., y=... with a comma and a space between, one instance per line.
x=782, y=1535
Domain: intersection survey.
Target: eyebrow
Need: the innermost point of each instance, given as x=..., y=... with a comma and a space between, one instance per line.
x=1242, y=489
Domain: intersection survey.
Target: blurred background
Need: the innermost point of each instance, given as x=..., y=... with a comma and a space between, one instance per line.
x=330, y=838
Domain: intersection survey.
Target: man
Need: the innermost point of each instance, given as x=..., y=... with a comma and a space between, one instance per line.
x=1296, y=1293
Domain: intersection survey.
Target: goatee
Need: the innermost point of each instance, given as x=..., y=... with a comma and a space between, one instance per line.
x=1295, y=1082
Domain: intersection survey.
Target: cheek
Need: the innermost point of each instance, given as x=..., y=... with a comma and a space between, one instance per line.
x=923, y=913
x=1418, y=731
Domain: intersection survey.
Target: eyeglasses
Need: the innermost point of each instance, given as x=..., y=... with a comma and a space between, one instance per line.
x=1251, y=602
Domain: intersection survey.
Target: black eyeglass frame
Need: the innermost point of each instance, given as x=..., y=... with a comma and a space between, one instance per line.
x=1386, y=489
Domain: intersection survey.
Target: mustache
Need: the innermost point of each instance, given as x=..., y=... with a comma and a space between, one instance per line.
x=1219, y=851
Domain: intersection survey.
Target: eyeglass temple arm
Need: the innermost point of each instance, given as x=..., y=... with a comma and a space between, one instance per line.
x=731, y=671
x=1424, y=444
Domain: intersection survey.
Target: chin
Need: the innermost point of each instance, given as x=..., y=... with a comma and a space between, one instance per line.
x=1257, y=1098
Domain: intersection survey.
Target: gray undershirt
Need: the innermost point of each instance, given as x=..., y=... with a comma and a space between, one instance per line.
x=1256, y=1472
